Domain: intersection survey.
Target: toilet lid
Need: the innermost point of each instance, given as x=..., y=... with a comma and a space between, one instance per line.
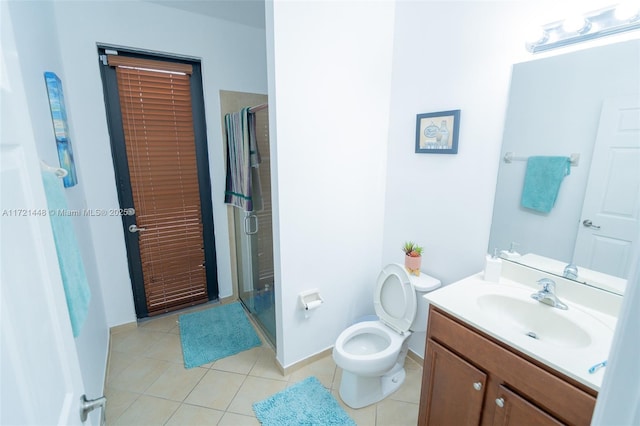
x=395, y=299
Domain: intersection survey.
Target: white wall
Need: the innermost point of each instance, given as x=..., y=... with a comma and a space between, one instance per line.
x=38, y=51
x=459, y=60
x=331, y=75
x=140, y=25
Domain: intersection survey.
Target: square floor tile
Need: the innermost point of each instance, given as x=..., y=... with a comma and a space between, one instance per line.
x=233, y=419
x=194, y=415
x=254, y=389
x=323, y=369
x=266, y=367
x=118, y=401
x=240, y=363
x=176, y=382
x=148, y=410
x=167, y=348
x=398, y=413
x=216, y=389
x=139, y=375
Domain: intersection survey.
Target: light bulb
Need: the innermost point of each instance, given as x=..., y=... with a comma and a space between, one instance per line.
x=536, y=35
x=627, y=11
x=576, y=24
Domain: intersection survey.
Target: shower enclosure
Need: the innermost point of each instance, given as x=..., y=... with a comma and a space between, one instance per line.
x=254, y=240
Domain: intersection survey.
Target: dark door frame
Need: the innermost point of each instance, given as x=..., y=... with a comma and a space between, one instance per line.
x=123, y=184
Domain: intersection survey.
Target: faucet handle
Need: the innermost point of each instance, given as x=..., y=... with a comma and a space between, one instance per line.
x=547, y=284
x=570, y=271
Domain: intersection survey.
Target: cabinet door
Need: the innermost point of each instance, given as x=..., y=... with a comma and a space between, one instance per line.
x=512, y=409
x=452, y=389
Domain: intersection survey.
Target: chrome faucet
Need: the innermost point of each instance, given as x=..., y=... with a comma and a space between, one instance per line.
x=548, y=294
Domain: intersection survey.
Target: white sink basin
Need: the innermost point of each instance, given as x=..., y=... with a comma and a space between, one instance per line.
x=536, y=320
x=570, y=341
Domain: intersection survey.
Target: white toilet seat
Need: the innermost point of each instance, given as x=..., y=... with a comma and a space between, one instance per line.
x=395, y=298
x=367, y=362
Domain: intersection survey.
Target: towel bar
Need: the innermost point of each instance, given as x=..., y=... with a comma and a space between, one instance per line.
x=510, y=157
x=59, y=172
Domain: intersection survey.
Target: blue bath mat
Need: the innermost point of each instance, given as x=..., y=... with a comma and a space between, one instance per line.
x=305, y=403
x=215, y=333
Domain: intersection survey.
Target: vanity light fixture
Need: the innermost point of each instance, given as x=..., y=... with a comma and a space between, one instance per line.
x=603, y=22
x=627, y=11
x=576, y=25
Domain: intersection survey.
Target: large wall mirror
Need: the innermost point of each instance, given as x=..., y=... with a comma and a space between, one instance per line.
x=584, y=103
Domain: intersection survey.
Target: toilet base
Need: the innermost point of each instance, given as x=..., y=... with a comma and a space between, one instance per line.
x=359, y=391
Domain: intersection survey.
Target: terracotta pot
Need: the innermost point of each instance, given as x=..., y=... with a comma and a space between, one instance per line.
x=412, y=264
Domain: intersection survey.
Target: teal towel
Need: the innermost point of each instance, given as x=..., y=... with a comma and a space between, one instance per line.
x=74, y=279
x=542, y=182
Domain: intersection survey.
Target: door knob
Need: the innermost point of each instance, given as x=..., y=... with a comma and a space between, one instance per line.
x=587, y=223
x=500, y=402
x=134, y=228
x=477, y=386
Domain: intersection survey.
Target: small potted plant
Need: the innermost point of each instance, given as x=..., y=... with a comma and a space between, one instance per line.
x=412, y=258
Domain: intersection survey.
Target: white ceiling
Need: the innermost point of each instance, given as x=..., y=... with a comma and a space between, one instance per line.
x=246, y=12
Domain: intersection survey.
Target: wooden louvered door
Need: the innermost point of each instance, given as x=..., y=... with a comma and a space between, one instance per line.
x=164, y=171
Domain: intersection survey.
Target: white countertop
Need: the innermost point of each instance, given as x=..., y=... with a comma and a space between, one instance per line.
x=463, y=300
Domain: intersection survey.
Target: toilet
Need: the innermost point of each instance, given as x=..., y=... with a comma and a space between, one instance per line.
x=372, y=353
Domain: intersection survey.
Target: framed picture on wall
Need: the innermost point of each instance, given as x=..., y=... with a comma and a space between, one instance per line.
x=437, y=132
x=60, y=128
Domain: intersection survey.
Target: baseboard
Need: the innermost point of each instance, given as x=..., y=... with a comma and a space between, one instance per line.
x=123, y=327
x=115, y=330
x=304, y=362
x=414, y=356
x=227, y=300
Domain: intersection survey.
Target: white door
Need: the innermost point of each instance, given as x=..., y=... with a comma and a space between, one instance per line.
x=39, y=369
x=40, y=379
x=609, y=228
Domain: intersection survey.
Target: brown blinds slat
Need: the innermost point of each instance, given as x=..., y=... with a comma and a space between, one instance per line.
x=127, y=61
x=160, y=144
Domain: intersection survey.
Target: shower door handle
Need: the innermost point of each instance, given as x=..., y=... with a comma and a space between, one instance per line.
x=247, y=224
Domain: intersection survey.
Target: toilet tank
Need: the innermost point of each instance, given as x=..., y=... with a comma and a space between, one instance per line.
x=422, y=284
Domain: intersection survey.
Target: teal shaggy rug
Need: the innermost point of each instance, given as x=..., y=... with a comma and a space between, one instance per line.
x=305, y=403
x=215, y=333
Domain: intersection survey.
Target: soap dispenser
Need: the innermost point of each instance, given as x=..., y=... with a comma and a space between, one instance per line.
x=493, y=267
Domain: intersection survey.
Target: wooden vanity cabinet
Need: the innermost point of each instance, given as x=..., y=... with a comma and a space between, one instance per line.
x=470, y=378
x=451, y=375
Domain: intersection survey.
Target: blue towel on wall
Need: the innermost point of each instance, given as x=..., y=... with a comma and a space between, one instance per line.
x=542, y=182
x=74, y=279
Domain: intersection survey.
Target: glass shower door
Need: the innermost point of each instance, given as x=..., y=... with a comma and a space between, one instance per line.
x=255, y=275
x=254, y=242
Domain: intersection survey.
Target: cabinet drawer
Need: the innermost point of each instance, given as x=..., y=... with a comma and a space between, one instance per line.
x=563, y=400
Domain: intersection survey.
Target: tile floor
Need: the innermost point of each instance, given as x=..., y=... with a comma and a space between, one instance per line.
x=147, y=383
